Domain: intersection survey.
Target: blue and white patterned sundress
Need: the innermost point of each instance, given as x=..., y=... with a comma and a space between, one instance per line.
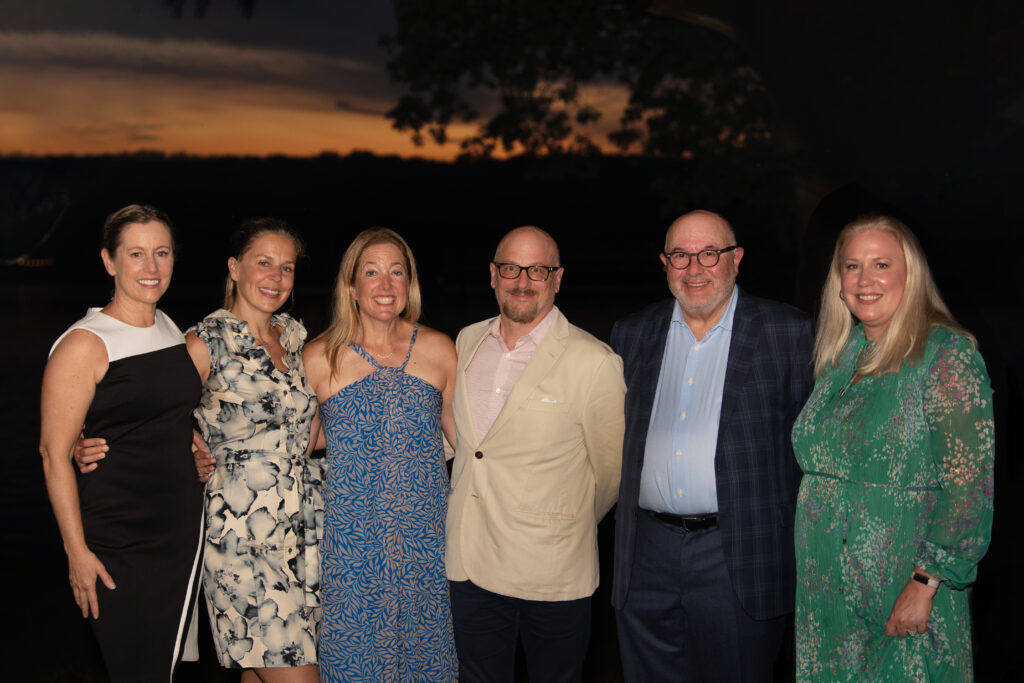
x=386, y=615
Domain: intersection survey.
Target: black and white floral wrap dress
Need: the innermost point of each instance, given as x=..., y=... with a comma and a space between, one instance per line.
x=264, y=509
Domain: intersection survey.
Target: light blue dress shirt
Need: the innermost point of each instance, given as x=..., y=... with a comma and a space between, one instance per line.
x=678, y=475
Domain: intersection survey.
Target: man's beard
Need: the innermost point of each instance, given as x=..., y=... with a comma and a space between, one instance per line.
x=520, y=315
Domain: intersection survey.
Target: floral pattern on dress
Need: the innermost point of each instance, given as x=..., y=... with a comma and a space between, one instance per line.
x=264, y=507
x=386, y=614
x=898, y=473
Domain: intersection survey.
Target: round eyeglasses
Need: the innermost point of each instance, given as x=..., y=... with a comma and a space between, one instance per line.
x=510, y=271
x=680, y=260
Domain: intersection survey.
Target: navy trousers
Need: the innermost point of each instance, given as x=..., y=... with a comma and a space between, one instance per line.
x=681, y=620
x=554, y=635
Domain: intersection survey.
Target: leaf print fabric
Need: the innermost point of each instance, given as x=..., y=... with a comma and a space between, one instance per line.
x=897, y=474
x=263, y=502
x=386, y=615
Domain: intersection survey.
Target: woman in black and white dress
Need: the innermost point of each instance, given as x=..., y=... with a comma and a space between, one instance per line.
x=132, y=529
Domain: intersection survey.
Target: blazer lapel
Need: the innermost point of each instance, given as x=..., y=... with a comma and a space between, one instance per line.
x=544, y=358
x=651, y=346
x=461, y=398
x=746, y=327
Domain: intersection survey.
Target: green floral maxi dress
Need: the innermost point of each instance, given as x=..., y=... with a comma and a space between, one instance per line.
x=897, y=473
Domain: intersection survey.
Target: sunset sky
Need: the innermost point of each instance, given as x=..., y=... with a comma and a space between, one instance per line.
x=298, y=78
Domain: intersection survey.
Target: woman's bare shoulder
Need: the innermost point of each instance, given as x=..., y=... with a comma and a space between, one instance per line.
x=80, y=344
x=79, y=350
x=435, y=341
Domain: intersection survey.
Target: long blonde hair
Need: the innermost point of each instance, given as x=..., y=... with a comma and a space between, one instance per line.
x=920, y=308
x=344, y=312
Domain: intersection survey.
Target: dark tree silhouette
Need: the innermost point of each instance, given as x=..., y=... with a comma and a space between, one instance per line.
x=522, y=68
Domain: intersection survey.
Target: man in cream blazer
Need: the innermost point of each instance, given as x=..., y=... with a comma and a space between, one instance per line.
x=539, y=419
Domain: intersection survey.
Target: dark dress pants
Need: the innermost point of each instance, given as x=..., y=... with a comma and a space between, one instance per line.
x=554, y=634
x=682, y=621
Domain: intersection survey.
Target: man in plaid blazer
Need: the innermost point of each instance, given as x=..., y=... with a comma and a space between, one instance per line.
x=704, y=562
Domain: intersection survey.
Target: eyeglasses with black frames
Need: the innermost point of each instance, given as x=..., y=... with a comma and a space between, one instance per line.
x=510, y=271
x=680, y=260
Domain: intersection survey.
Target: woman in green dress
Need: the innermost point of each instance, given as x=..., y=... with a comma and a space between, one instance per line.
x=896, y=443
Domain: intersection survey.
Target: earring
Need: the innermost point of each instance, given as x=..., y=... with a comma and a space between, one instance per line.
x=842, y=295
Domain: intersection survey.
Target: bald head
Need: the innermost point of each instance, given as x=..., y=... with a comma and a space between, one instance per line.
x=700, y=217
x=525, y=302
x=532, y=236
x=703, y=291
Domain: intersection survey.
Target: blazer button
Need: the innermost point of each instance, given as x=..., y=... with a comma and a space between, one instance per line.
x=479, y=454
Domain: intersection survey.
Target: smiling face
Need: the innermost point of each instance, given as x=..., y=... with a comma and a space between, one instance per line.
x=703, y=293
x=521, y=299
x=264, y=274
x=873, y=275
x=381, y=282
x=142, y=262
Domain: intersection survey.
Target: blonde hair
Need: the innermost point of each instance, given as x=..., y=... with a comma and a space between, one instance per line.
x=344, y=312
x=920, y=308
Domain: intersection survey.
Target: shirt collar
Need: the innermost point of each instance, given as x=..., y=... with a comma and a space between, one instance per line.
x=535, y=335
x=724, y=321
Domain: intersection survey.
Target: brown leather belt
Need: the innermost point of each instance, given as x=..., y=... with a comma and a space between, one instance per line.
x=687, y=522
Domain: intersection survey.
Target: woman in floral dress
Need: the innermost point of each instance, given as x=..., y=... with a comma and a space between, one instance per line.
x=263, y=500
x=896, y=443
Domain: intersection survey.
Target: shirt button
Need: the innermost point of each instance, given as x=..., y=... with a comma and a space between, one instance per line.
x=478, y=455
x=689, y=381
x=679, y=452
x=679, y=492
x=696, y=346
x=683, y=416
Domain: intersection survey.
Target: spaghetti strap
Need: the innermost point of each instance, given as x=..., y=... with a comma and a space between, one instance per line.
x=408, y=354
x=370, y=359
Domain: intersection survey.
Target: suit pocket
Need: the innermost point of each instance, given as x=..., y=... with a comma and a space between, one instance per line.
x=546, y=404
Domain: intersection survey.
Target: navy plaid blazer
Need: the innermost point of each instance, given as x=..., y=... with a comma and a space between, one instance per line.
x=767, y=380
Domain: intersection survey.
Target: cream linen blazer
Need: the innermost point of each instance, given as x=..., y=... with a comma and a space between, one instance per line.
x=526, y=500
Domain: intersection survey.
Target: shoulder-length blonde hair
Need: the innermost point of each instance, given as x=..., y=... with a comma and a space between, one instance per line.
x=920, y=308
x=344, y=312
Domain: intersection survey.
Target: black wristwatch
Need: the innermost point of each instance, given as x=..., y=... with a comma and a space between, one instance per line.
x=926, y=580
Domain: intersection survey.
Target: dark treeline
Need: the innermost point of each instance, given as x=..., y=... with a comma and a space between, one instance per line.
x=608, y=213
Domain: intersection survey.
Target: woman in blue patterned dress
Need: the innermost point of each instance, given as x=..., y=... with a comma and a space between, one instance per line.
x=263, y=504
x=384, y=384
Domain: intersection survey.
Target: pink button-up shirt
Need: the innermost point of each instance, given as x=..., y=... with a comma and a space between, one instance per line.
x=495, y=369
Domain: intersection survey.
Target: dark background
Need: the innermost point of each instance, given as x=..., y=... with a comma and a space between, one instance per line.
x=916, y=111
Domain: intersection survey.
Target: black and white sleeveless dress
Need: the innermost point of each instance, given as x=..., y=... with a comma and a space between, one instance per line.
x=142, y=508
